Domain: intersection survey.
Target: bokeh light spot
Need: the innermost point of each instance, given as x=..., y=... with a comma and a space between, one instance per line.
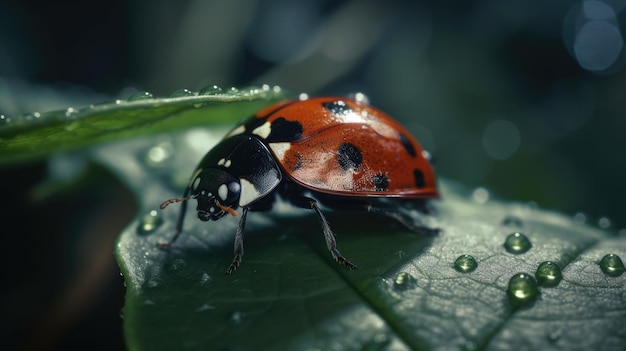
x=598, y=45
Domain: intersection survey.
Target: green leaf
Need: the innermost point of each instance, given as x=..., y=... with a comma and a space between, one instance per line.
x=289, y=294
x=41, y=134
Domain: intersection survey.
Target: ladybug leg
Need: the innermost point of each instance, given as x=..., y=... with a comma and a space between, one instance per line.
x=238, y=243
x=330, y=237
x=179, y=221
x=407, y=220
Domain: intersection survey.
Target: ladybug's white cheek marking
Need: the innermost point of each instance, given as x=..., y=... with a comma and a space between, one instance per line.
x=195, y=180
x=248, y=192
x=263, y=130
x=239, y=130
x=195, y=184
x=280, y=149
x=227, y=163
x=222, y=192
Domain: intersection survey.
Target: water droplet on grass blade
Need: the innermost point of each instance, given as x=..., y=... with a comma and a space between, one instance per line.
x=210, y=90
x=141, y=95
x=181, y=92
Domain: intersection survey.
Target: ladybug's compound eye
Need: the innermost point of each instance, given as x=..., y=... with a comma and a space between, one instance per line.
x=228, y=194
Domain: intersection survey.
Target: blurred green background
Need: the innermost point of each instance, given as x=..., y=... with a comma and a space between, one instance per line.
x=523, y=98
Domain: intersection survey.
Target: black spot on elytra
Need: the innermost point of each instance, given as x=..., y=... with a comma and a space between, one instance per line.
x=337, y=107
x=349, y=156
x=407, y=144
x=419, y=178
x=284, y=131
x=380, y=181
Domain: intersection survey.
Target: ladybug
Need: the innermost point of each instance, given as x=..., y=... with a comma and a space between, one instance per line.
x=325, y=152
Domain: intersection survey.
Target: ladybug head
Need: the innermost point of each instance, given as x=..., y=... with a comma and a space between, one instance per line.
x=216, y=191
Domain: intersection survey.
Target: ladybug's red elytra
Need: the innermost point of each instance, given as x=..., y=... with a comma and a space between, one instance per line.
x=325, y=152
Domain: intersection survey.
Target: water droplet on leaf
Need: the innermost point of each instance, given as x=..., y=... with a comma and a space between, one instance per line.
x=149, y=223
x=522, y=289
x=517, y=243
x=465, y=264
x=205, y=279
x=153, y=283
x=612, y=265
x=176, y=265
x=548, y=274
x=403, y=281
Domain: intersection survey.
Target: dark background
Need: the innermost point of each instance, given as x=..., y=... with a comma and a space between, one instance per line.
x=523, y=98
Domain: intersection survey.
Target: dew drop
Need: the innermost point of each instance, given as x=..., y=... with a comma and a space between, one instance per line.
x=403, y=281
x=469, y=346
x=153, y=283
x=378, y=342
x=612, y=265
x=517, y=243
x=233, y=90
x=181, y=92
x=210, y=90
x=512, y=221
x=205, y=279
x=465, y=264
x=555, y=335
x=548, y=274
x=522, y=289
x=149, y=223
x=176, y=265
x=142, y=95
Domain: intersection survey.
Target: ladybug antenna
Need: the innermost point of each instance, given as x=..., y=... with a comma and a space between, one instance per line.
x=179, y=199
